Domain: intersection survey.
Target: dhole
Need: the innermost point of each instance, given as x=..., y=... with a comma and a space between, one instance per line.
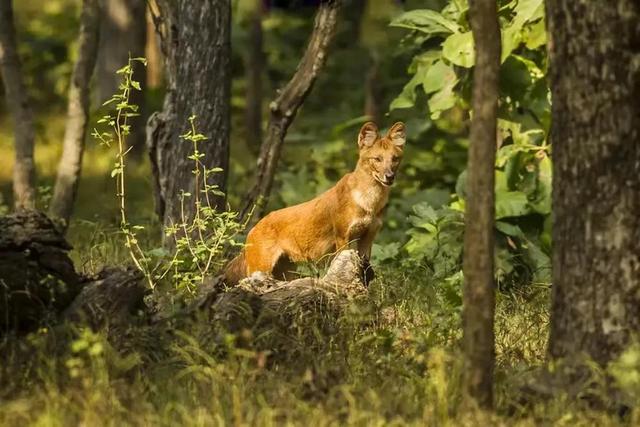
x=350, y=211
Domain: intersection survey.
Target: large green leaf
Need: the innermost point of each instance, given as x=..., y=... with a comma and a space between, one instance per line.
x=458, y=49
x=539, y=261
x=509, y=229
x=542, y=202
x=437, y=77
x=526, y=11
x=407, y=98
x=511, y=204
x=511, y=38
x=426, y=21
x=535, y=35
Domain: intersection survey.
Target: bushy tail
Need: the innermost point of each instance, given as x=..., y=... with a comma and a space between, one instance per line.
x=236, y=270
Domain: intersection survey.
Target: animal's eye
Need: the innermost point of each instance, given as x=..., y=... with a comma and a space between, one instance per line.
x=395, y=158
x=377, y=159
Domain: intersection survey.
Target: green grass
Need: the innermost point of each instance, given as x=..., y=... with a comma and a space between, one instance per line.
x=392, y=359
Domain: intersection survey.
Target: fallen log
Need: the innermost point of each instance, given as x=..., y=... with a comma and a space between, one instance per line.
x=114, y=297
x=37, y=277
x=260, y=300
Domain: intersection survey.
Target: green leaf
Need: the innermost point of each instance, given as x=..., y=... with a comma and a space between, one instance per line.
x=509, y=229
x=542, y=202
x=515, y=78
x=442, y=100
x=418, y=67
x=511, y=39
x=458, y=49
x=511, y=204
x=535, y=35
x=426, y=21
x=136, y=85
x=438, y=76
x=407, y=98
x=424, y=210
x=540, y=261
x=525, y=11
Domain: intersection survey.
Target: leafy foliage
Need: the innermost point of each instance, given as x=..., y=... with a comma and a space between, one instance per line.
x=442, y=70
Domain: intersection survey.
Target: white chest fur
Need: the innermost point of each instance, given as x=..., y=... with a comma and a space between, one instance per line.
x=371, y=201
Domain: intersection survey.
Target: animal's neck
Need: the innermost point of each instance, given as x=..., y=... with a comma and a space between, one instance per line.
x=367, y=192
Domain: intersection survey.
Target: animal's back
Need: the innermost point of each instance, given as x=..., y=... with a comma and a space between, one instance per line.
x=304, y=231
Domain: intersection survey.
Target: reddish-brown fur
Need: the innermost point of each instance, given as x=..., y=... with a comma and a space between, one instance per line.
x=349, y=212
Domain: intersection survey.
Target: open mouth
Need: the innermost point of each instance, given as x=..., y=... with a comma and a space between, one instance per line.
x=386, y=183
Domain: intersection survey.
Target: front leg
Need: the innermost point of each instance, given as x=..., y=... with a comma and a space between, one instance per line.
x=364, y=250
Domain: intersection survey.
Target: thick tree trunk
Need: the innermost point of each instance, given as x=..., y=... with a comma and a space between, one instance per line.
x=196, y=40
x=18, y=102
x=66, y=185
x=123, y=32
x=595, y=83
x=285, y=107
x=479, y=294
x=254, y=70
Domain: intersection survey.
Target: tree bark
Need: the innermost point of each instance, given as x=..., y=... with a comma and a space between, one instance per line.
x=479, y=293
x=123, y=32
x=595, y=84
x=197, y=47
x=66, y=185
x=372, y=92
x=285, y=107
x=254, y=69
x=19, y=104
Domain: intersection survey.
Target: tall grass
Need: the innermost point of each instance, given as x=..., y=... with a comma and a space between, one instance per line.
x=392, y=359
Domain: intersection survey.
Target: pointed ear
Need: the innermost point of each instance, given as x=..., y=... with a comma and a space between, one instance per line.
x=368, y=135
x=397, y=134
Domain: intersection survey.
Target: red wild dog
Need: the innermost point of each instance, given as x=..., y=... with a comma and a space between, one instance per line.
x=350, y=211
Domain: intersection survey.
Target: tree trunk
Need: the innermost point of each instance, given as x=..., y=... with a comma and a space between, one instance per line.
x=254, y=69
x=479, y=294
x=372, y=92
x=66, y=186
x=154, y=57
x=595, y=84
x=123, y=32
x=284, y=108
x=196, y=40
x=18, y=102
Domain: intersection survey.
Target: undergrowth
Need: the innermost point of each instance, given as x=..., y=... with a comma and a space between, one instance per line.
x=392, y=359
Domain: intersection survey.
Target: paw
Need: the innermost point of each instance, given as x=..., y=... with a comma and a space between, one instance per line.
x=367, y=272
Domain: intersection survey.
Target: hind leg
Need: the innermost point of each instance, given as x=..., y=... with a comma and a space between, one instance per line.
x=262, y=257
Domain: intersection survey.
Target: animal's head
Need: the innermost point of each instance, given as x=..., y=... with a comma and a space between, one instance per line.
x=380, y=156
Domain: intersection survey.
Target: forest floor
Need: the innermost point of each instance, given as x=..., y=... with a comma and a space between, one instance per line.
x=390, y=359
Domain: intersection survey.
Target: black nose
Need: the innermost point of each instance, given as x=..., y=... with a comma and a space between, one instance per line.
x=389, y=176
